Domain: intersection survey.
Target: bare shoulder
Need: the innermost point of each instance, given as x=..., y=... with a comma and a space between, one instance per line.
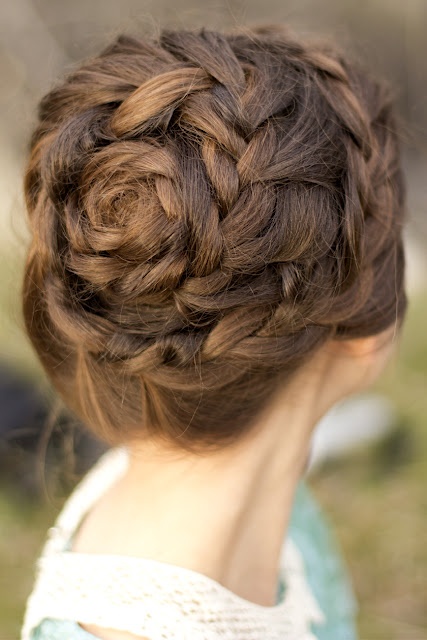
x=110, y=634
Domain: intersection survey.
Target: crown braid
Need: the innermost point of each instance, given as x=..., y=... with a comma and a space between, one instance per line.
x=206, y=211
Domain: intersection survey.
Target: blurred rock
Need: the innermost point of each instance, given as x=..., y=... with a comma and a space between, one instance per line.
x=37, y=447
x=348, y=425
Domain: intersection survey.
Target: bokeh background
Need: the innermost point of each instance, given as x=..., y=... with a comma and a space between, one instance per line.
x=372, y=488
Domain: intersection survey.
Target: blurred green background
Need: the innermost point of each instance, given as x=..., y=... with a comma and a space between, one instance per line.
x=375, y=495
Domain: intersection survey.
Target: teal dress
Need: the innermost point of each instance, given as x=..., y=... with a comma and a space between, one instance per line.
x=325, y=568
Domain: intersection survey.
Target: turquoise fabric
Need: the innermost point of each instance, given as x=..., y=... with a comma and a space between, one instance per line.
x=326, y=573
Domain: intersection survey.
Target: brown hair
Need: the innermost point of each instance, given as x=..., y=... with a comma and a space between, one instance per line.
x=207, y=210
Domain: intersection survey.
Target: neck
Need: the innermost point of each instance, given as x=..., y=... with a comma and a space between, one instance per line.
x=225, y=520
x=226, y=514
x=223, y=515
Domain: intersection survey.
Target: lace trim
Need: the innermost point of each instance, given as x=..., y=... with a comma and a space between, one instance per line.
x=155, y=598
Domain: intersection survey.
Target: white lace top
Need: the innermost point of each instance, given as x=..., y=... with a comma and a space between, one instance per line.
x=153, y=598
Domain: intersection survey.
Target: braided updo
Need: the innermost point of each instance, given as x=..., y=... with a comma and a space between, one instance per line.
x=207, y=210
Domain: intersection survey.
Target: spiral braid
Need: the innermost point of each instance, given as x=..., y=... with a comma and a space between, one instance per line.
x=207, y=210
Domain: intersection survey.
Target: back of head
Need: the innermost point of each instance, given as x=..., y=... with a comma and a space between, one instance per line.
x=207, y=210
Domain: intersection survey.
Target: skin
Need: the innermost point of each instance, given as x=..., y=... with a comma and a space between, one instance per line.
x=225, y=515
